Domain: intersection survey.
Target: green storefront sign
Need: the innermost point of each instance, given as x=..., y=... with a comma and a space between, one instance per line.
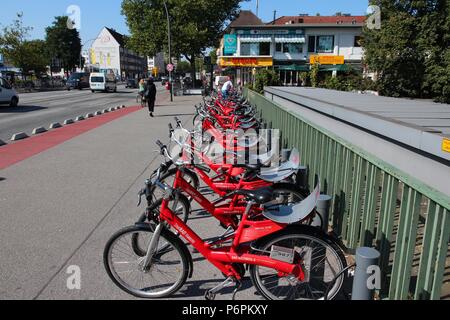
x=230, y=45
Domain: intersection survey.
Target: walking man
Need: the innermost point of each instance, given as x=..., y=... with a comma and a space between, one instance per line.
x=150, y=95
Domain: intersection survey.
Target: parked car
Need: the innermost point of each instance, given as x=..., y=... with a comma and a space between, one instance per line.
x=131, y=83
x=78, y=80
x=7, y=94
x=164, y=80
x=103, y=82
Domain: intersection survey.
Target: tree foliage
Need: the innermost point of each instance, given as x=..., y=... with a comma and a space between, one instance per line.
x=63, y=43
x=411, y=51
x=22, y=53
x=265, y=78
x=195, y=25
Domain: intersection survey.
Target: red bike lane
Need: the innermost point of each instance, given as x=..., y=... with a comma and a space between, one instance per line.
x=24, y=149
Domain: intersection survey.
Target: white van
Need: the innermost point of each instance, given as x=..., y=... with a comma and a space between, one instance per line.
x=103, y=82
x=7, y=94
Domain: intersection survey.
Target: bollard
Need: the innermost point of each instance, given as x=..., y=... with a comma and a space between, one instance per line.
x=365, y=258
x=323, y=213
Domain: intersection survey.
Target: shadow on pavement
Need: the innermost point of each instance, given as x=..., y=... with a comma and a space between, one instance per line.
x=174, y=115
x=2, y=179
x=194, y=289
x=21, y=109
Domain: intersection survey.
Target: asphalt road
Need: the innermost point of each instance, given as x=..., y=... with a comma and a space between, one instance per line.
x=42, y=109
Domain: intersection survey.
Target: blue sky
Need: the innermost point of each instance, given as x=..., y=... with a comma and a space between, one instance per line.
x=96, y=14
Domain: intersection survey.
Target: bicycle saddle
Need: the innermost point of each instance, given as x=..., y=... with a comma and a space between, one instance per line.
x=260, y=196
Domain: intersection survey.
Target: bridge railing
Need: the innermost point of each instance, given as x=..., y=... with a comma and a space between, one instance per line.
x=374, y=204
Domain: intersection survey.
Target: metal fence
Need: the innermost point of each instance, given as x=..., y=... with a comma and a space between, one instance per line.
x=375, y=205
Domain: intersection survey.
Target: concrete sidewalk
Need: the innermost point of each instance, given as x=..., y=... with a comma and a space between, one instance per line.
x=69, y=199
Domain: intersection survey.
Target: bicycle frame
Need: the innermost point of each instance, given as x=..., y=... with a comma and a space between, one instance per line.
x=224, y=257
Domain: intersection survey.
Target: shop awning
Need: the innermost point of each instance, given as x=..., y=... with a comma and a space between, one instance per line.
x=255, y=38
x=290, y=39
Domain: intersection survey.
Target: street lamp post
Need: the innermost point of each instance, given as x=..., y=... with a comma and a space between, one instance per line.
x=170, y=49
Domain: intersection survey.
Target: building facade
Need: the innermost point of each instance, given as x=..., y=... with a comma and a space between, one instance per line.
x=291, y=45
x=108, y=51
x=157, y=65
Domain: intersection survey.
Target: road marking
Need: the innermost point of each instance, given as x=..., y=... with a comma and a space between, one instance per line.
x=17, y=152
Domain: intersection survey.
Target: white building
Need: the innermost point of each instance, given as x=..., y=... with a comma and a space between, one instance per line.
x=108, y=52
x=290, y=45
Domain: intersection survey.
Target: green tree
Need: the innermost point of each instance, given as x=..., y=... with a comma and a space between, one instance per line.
x=410, y=53
x=195, y=24
x=183, y=67
x=22, y=53
x=64, y=43
x=265, y=78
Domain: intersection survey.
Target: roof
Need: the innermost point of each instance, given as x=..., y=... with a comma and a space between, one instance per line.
x=284, y=20
x=120, y=38
x=246, y=18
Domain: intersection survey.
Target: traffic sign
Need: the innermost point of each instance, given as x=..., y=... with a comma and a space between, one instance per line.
x=170, y=67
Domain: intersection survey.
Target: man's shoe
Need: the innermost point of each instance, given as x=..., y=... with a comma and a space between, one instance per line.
x=151, y=115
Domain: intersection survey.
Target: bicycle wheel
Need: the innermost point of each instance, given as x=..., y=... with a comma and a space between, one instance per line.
x=182, y=210
x=320, y=258
x=168, y=272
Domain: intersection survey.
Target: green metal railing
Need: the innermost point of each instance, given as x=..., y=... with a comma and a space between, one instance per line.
x=374, y=204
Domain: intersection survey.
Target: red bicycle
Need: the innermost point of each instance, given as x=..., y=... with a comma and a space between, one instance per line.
x=285, y=260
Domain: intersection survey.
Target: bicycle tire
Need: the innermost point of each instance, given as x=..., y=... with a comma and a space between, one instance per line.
x=182, y=200
x=306, y=232
x=194, y=181
x=171, y=239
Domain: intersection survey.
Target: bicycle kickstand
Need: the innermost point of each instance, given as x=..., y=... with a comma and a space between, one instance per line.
x=210, y=295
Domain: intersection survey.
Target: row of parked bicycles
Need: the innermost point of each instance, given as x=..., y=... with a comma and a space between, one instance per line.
x=269, y=220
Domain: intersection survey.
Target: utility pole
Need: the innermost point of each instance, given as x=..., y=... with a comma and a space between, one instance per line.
x=257, y=8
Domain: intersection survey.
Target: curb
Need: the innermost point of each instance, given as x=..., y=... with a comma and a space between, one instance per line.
x=19, y=136
x=39, y=130
x=55, y=125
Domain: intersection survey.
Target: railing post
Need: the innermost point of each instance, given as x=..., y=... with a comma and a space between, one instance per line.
x=366, y=258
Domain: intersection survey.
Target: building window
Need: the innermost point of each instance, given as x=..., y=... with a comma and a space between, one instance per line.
x=321, y=44
x=255, y=49
x=358, y=42
x=312, y=44
x=293, y=48
x=264, y=49
x=279, y=47
x=325, y=44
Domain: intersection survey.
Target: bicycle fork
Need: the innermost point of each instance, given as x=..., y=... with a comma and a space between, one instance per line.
x=152, y=247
